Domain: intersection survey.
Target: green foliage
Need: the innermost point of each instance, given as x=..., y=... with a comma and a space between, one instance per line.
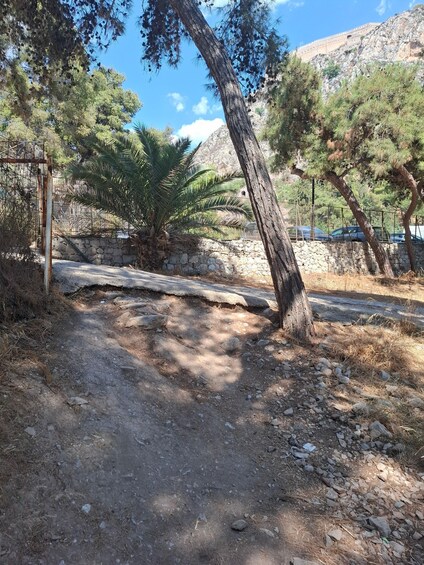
x=154, y=186
x=69, y=114
x=377, y=122
x=59, y=34
x=330, y=207
x=244, y=27
x=372, y=125
x=293, y=111
x=332, y=70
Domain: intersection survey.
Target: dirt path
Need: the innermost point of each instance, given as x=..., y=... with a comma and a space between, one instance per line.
x=148, y=446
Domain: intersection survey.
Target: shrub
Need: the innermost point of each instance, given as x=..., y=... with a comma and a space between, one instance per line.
x=21, y=280
x=332, y=70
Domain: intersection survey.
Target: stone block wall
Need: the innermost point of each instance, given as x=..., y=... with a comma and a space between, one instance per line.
x=246, y=258
x=238, y=257
x=97, y=250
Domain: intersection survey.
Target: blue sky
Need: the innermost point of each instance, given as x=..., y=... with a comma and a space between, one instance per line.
x=179, y=99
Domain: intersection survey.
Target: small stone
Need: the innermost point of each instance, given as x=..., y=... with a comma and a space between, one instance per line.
x=288, y=412
x=86, y=508
x=327, y=372
x=381, y=524
x=416, y=402
x=343, y=380
x=267, y=532
x=309, y=447
x=229, y=426
x=77, y=401
x=336, y=534
x=324, y=361
x=30, y=431
x=396, y=449
x=300, y=454
x=385, y=376
x=239, y=525
x=232, y=344
x=299, y=561
x=397, y=547
x=271, y=449
x=360, y=408
x=275, y=422
x=417, y=536
x=377, y=429
x=102, y=525
x=309, y=468
x=328, y=541
x=50, y=428
x=332, y=494
x=419, y=515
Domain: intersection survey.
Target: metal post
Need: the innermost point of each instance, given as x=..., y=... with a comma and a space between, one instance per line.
x=49, y=230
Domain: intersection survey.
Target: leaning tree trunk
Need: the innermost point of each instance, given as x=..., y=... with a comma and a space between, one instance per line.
x=379, y=251
x=294, y=309
x=406, y=219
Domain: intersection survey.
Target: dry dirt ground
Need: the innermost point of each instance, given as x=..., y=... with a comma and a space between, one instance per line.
x=122, y=445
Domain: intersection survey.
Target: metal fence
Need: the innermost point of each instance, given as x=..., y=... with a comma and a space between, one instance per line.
x=330, y=218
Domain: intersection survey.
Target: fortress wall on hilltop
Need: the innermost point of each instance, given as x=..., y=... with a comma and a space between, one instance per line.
x=333, y=42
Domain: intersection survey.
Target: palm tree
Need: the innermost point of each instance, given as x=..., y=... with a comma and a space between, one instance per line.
x=152, y=184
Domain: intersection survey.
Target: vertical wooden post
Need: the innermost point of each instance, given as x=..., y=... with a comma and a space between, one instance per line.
x=313, y=211
x=49, y=228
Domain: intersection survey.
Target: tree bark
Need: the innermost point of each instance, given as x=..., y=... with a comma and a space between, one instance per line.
x=406, y=219
x=294, y=309
x=379, y=251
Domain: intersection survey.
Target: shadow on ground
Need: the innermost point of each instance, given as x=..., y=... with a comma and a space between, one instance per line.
x=171, y=436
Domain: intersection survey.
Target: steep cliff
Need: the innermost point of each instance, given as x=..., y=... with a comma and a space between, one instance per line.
x=340, y=57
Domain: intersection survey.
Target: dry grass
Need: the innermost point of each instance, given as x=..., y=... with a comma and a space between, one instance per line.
x=22, y=342
x=368, y=350
x=406, y=287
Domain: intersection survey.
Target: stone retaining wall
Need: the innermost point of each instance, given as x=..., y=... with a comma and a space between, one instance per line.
x=244, y=257
x=97, y=250
x=239, y=257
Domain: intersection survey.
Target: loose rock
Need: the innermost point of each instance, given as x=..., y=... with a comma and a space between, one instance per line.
x=377, y=429
x=239, y=525
x=381, y=524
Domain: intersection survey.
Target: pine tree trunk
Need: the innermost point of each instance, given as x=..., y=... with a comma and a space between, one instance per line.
x=406, y=220
x=294, y=309
x=378, y=250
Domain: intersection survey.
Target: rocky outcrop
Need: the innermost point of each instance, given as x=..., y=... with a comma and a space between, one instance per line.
x=401, y=38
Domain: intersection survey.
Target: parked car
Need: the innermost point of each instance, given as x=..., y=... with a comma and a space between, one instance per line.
x=400, y=238
x=355, y=233
x=304, y=233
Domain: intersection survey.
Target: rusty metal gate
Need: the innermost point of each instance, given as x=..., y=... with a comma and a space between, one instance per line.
x=26, y=183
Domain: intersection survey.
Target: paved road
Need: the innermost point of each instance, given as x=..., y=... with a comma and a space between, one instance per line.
x=73, y=276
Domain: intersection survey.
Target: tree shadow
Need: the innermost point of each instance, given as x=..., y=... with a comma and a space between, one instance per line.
x=184, y=432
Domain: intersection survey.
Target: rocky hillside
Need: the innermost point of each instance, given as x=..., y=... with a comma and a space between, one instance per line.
x=400, y=38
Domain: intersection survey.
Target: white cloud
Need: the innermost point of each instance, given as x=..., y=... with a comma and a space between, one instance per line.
x=203, y=107
x=382, y=7
x=199, y=130
x=177, y=101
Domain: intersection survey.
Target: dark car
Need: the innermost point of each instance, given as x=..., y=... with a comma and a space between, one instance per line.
x=400, y=238
x=304, y=233
x=355, y=233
